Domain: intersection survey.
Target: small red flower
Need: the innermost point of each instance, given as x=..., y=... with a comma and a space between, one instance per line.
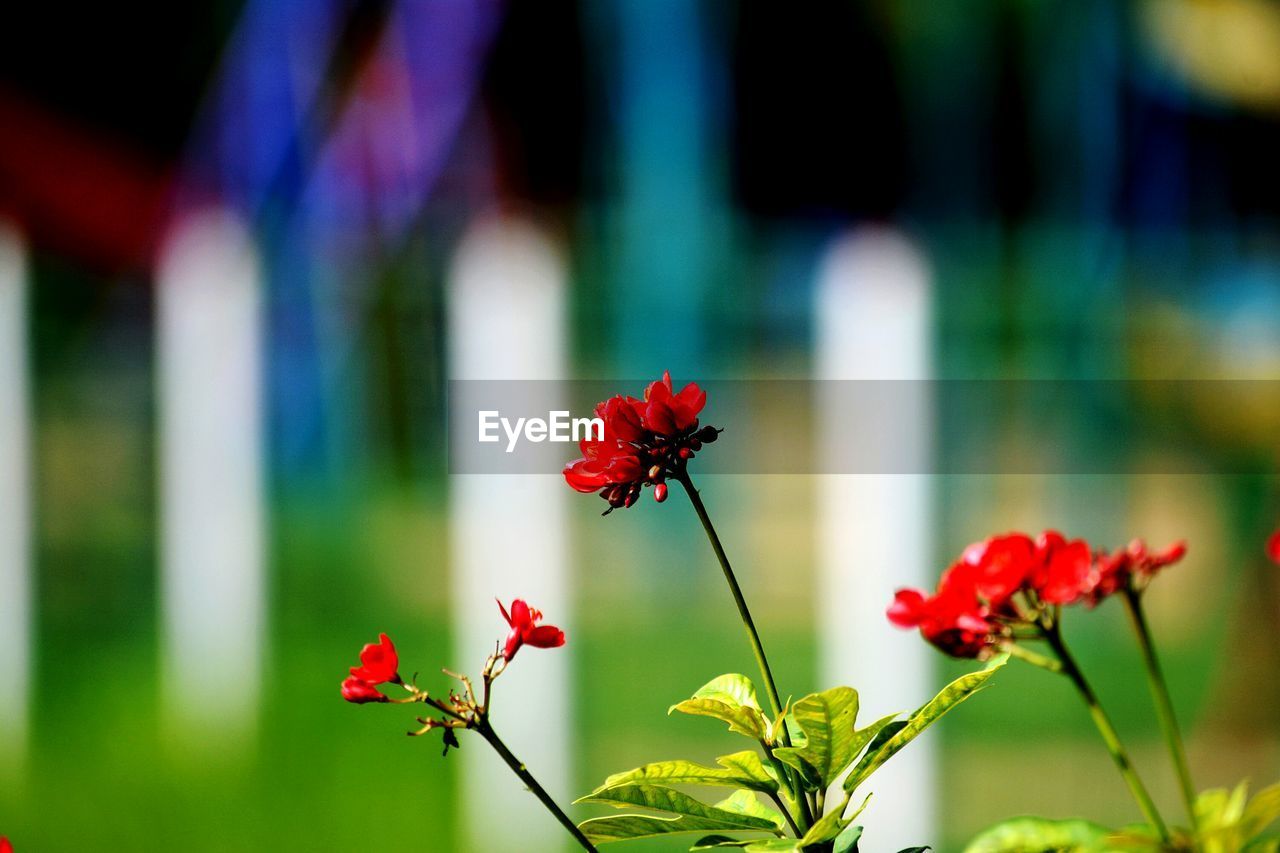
x=1273, y=547
x=378, y=662
x=525, y=630
x=1112, y=572
x=5, y=846
x=353, y=690
x=644, y=442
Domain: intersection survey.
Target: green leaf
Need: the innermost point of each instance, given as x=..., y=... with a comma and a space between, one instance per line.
x=688, y=814
x=874, y=734
x=751, y=845
x=827, y=720
x=739, y=770
x=847, y=841
x=915, y=849
x=1262, y=811
x=746, y=803
x=730, y=688
x=1039, y=835
x=826, y=828
x=933, y=710
x=731, y=698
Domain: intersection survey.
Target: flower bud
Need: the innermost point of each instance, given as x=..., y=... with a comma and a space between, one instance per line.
x=654, y=472
x=632, y=496
x=707, y=434
x=660, y=492
x=686, y=453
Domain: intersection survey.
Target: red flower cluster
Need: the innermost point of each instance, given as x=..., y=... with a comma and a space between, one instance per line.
x=379, y=664
x=1273, y=547
x=644, y=442
x=525, y=630
x=977, y=600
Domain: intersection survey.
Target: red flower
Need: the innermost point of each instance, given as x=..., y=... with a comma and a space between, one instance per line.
x=378, y=663
x=1273, y=547
x=1000, y=565
x=644, y=442
x=954, y=619
x=525, y=630
x=5, y=846
x=1063, y=570
x=353, y=690
x=1112, y=572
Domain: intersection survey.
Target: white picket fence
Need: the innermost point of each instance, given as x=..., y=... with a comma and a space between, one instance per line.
x=507, y=295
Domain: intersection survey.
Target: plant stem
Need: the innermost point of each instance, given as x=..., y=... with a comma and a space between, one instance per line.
x=517, y=766
x=1109, y=735
x=770, y=687
x=1164, y=704
x=753, y=635
x=782, y=807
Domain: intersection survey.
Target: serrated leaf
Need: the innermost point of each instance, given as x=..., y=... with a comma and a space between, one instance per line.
x=827, y=721
x=868, y=735
x=932, y=711
x=1022, y=834
x=739, y=770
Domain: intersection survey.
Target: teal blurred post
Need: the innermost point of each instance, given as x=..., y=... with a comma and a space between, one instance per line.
x=666, y=213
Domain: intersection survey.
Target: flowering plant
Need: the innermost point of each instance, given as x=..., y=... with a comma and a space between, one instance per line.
x=808, y=758
x=1009, y=592
x=794, y=789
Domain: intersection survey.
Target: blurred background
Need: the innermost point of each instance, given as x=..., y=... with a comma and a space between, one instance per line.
x=246, y=245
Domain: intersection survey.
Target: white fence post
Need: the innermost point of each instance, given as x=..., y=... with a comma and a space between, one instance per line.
x=872, y=323
x=209, y=368
x=16, y=483
x=508, y=532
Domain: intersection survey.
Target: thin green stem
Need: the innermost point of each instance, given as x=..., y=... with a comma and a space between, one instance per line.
x=771, y=688
x=1163, y=702
x=747, y=622
x=1109, y=735
x=786, y=813
x=1042, y=661
x=517, y=766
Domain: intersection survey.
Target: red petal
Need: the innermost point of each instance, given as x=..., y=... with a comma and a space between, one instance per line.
x=520, y=614
x=503, y=610
x=545, y=637
x=907, y=609
x=1273, y=547
x=513, y=643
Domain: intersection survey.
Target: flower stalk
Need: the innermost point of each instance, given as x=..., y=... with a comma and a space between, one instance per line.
x=1163, y=702
x=485, y=730
x=1071, y=669
x=803, y=803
